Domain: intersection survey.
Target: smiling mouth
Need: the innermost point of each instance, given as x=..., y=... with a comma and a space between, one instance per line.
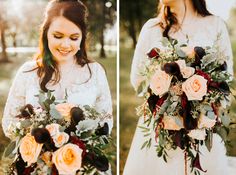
x=64, y=52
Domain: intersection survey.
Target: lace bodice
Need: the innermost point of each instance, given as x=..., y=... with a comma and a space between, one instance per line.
x=75, y=82
x=201, y=32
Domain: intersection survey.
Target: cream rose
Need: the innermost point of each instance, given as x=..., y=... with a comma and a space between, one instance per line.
x=53, y=129
x=160, y=82
x=195, y=87
x=172, y=123
x=68, y=159
x=30, y=149
x=185, y=71
x=205, y=122
x=181, y=64
x=60, y=139
x=199, y=134
x=64, y=110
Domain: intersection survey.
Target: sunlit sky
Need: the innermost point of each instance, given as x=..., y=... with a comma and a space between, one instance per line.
x=221, y=7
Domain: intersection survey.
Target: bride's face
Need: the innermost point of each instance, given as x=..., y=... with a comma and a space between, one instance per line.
x=64, y=39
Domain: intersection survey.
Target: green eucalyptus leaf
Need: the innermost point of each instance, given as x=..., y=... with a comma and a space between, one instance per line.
x=9, y=149
x=54, y=113
x=211, y=115
x=180, y=53
x=225, y=120
x=208, y=141
x=25, y=123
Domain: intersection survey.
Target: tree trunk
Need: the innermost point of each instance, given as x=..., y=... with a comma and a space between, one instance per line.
x=102, y=51
x=4, y=57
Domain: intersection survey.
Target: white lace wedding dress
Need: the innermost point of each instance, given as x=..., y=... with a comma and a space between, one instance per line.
x=202, y=32
x=94, y=92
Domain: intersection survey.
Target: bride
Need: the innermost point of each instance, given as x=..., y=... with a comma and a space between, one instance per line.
x=62, y=65
x=190, y=22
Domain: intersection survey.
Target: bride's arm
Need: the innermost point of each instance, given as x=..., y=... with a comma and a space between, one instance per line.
x=140, y=52
x=104, y=101
x=225, y=44
x=15, y=100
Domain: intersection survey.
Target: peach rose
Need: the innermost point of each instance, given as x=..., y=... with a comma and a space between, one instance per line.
x=64, y=110
x=199, y=134
x=195, y=87
x=47, y=158
x=189, y=51
x=53, y=129
x=30, y=149
x=68, y=159
x=160, y=82
x=60, y=139
x=205, y=122
x=170, y=123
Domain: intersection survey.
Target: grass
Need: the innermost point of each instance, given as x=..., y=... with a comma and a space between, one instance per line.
x=8, y=72
x=129, y=101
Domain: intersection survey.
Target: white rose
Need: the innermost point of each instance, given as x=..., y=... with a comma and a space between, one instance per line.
x=199, y=134
x=205, y=122
x=53, y=129
x=60, y=139
x=195, y=87
x=160, y=82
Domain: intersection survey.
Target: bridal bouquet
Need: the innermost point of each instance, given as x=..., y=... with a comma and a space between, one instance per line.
x=187, y=98
x=59, y=138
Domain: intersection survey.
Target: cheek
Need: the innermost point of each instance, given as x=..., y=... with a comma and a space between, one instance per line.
x=76, y=45
x=52, y=43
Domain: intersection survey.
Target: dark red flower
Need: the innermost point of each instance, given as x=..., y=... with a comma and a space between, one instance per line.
x=41, y=135
x=161, y=100
x=204, y=75
x=196, y=163
x=101, y=163
x=102, y=130
x=76, y=115
x=172, y=68
x=79, y=143
x=154, y=53
x=199, y=54
x=184, y=100
x=189, y=122
x=26, y=111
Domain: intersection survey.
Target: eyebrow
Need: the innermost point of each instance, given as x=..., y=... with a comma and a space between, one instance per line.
x=74, y=34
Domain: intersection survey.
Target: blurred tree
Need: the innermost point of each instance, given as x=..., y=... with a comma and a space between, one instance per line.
x=101, y=17
x=134, y=13
x=3, y=27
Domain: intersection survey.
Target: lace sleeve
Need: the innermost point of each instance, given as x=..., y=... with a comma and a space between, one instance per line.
x=140, y=52
x=103, y=101
x=15, y=100
x=225, y=45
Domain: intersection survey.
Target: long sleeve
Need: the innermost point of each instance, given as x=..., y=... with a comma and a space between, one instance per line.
x=225, y=45
x=140, y=55
x=15, y=100
x=103, y=101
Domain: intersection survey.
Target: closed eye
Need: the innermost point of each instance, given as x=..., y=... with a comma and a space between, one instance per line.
x=57, y=36
x=74, y=38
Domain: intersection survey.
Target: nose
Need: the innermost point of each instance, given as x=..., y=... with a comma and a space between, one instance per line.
x=65, y=43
